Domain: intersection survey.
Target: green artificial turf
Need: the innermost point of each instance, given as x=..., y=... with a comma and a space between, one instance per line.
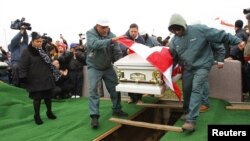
x=73, y=122
x=218, y=115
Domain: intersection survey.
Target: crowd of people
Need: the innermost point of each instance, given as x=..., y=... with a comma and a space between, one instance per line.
x=55, y=70
x=45, y=69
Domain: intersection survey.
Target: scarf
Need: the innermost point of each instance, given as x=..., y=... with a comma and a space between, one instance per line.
x=47, y=60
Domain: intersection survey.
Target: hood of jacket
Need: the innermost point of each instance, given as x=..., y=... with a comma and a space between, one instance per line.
x=177, y=19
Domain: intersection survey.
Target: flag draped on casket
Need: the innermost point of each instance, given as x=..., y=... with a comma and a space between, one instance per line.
x=159, y=57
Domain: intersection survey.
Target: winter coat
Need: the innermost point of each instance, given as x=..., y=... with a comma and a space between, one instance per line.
x=101, y=52
x=193, y=49
x=67, y=60
x=16, y=47
x=34, y=72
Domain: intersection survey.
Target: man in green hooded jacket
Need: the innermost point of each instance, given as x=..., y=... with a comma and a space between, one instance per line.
x=191, y=48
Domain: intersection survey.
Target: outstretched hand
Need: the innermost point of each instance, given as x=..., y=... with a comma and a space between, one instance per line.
x=241, y=45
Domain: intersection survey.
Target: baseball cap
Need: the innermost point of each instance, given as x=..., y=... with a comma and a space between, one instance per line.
x=102, y=22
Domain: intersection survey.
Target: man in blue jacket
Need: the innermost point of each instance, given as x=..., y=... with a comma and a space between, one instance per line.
x=102, y=52
x=190, y=46
x=133, y=34
x=17, y=45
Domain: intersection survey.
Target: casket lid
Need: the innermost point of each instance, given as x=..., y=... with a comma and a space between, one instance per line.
x=132, y=60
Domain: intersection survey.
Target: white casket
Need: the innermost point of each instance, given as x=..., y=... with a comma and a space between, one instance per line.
x=138, y=76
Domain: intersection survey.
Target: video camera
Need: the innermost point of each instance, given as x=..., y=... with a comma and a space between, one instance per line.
x=47, y=42
x=246, y=11
x=46, y=39
x=19, y=24
x=80, y=35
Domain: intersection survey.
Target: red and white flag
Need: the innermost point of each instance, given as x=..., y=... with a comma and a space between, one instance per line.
x=223, y=22
x=159, y=57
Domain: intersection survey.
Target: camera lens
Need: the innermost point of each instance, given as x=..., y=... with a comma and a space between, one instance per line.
x=246, y=11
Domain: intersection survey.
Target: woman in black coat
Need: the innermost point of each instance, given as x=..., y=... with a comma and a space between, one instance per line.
x=38, y=76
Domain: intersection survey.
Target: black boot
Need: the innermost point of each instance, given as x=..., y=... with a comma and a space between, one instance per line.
x=119, y=113
x=50, y=115
x=36, y=104
x=94, y=122
x=38, y=120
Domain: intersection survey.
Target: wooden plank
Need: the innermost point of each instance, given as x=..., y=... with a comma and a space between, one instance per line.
x=177, y=106
x=238, y=107
x=147, y=125
x=239, y=103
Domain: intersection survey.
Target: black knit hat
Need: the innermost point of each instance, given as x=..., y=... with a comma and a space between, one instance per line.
x=239, y=24
x=35, y=35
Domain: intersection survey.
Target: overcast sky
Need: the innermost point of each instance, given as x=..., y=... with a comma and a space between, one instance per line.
x=71, y=17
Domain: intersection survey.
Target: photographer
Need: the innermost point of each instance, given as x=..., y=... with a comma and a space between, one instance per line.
x=18, y=43
x=74, y=60
x=64, y=41
x=50, y=47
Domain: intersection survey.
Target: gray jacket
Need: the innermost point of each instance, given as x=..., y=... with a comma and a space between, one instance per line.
x=101, y=52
